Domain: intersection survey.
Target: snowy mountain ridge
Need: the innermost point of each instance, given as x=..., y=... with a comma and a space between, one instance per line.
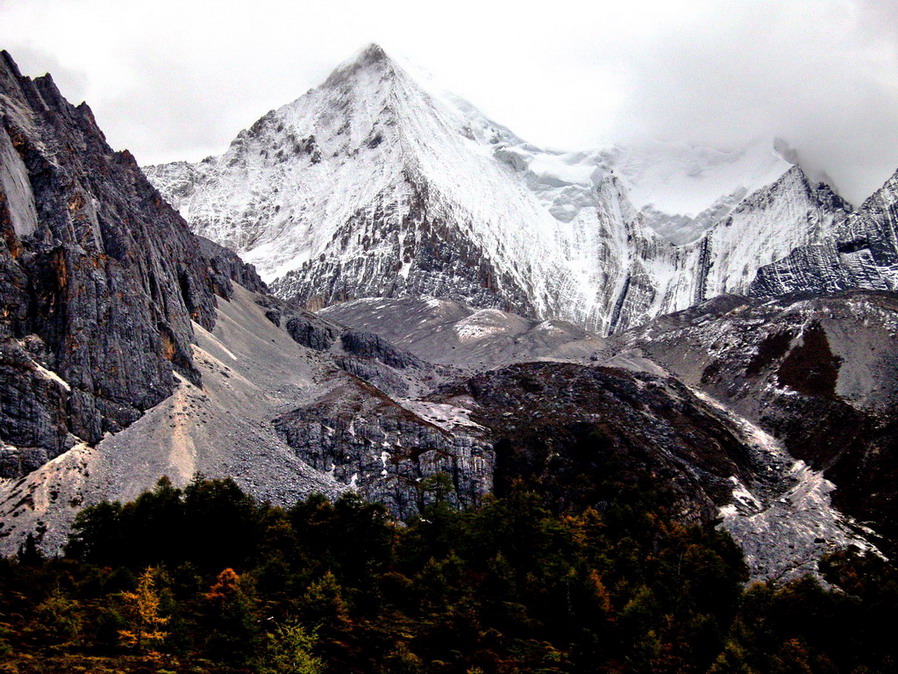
x=375, y=185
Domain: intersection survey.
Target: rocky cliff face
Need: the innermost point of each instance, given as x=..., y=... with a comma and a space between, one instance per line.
x=99, y=280
x=861, y=253
x=385, y=449
x=224, y=266
x=376, y=185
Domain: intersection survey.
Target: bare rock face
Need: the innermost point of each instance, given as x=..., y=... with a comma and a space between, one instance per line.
x=99, y=280
x=226, y=266
x=452, y=333
x=385, y=449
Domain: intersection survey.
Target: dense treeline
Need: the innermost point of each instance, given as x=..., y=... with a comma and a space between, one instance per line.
x=204, y=579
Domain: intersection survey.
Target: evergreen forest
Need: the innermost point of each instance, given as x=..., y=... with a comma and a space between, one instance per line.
x=205, y=579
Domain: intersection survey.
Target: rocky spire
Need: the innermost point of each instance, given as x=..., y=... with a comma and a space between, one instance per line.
x=99, y=279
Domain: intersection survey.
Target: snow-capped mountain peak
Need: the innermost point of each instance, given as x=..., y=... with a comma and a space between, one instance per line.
x=376, y=183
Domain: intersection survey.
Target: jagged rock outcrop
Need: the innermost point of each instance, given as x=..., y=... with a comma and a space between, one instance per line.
x=384, y=449
x=369, y=345
x=374, y=185
x=861, y=253
x=99, y=280
x=360, y=353
x=766, y=226
x=251, y=372
x=226, y=266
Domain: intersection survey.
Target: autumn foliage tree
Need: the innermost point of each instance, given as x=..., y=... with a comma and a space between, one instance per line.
x=229, y=614
x=142, y=608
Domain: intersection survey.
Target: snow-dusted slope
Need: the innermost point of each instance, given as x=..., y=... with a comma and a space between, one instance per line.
x=375, y=185
x=862, y=252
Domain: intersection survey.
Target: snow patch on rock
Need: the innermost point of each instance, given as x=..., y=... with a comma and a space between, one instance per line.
x=482, y=324
x=447, y=417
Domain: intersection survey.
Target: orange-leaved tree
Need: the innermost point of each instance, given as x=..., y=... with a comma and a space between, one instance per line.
x=142, y=607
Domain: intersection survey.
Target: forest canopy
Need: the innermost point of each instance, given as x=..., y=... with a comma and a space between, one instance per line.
x=204, y=578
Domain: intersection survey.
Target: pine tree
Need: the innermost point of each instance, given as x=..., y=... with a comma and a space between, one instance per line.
x=59, y=618
x=288, y=650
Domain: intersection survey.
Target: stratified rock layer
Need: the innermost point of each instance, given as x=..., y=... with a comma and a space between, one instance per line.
x=862, y=253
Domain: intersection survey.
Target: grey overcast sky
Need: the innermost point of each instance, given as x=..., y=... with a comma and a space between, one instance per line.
x=177, y=79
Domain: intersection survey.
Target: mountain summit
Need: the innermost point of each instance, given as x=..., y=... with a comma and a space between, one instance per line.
x=376, y=185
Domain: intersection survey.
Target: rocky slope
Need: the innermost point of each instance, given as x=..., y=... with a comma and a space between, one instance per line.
x=818, y=374
x=285, y=419
x=376, y=185
x=451, y=333
x=291, y=403
x=100, y=280
x=812, y=415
